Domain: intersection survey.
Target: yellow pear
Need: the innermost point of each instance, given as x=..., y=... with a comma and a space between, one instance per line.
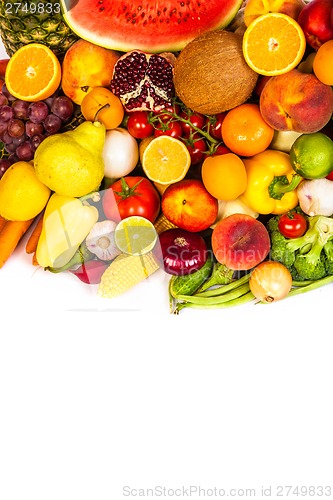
x=71, y=163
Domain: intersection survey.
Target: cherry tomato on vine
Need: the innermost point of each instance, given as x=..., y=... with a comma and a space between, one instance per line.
x=139, y=126
x=173, y=129
x=196, y=119
x=131, y=195
x=166, y=113
x=197, y=150
x=214, y=125
x=221, y=150
x=292, y=225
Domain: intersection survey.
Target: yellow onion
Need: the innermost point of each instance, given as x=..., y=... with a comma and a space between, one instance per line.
x=270, y=281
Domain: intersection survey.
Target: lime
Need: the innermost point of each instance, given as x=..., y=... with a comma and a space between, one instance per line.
x=311, y=155
x=22, y=195
x=135, y=235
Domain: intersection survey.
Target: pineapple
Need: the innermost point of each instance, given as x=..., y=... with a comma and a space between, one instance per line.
x=38, y=21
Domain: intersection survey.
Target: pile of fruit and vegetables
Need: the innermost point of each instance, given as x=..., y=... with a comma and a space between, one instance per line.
x=193, y=139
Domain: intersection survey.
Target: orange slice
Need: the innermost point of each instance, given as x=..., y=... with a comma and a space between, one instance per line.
x=165, y=160
x=273, y=44
x=33, y=73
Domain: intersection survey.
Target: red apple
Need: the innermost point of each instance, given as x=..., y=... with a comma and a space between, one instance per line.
x=316, y=20
x=188, y=205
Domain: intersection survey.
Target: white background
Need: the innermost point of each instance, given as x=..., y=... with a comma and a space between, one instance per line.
x=97, y=395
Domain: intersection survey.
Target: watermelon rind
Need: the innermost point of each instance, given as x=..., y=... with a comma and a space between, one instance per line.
x=159, y=26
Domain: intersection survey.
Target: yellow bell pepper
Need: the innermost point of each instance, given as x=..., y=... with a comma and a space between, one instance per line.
x=66, y=223
x=271, y=183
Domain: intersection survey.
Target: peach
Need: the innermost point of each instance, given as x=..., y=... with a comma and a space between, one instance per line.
x=296, y=101
x=188, y=205
x=240, y=242
x=86, y=66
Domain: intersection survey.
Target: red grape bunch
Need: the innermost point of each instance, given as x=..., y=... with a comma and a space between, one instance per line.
x=24, y=125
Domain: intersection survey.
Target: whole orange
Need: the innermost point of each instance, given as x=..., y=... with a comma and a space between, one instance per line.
x=100, y=104
x=322, y=63
x=245, y=132
x=224, y=176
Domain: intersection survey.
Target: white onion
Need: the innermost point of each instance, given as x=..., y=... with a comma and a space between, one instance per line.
x=120, y=153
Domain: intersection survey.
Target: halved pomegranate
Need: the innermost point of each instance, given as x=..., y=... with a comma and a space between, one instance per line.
x=143, y=81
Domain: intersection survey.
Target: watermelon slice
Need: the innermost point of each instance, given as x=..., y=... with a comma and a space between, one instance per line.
x=148, y=25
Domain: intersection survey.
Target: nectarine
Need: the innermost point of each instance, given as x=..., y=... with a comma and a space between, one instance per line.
x=188, y=205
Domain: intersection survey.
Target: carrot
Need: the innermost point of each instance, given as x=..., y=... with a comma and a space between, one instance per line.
x=2, y=223
x=10, y=237
x=34, y=260
x=34, y=236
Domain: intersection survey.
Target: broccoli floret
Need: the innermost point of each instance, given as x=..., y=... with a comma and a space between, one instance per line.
x=328, y=251
x=307, y=257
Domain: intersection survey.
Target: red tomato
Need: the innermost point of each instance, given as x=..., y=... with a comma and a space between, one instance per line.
x=167, y=113
x=131, y=195
x=139, y=126
x=221, y=150
x=173, y=129
x=292, y=225
x=330, y=176
x=197, y=150
x=196, y=119
x=214, y=125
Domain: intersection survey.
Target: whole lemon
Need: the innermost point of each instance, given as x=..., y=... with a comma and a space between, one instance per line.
x=71, y=163
x=22, y=195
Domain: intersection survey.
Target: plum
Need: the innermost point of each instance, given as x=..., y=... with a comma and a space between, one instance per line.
x=240, y=242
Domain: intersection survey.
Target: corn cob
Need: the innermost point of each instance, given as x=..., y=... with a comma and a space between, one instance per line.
x=124, y=272
x=162, y=224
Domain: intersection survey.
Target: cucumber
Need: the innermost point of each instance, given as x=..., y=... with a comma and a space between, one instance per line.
x=190, y=283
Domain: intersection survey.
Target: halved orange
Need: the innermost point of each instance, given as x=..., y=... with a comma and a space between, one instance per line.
x=33, y=73
x=165, y=160
x=273, y=44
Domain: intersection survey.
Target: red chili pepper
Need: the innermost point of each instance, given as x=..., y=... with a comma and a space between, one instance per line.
x=91, y=272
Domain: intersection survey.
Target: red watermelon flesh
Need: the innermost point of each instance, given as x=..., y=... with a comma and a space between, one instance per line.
x=151, y=26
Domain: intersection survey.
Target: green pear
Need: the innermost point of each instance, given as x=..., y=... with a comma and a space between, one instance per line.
x=71, y=163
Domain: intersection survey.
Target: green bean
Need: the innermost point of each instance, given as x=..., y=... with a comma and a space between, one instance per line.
x=224, y=288
x=311, y=286
x=225, y=297
x=301, y=283
x=243, y=299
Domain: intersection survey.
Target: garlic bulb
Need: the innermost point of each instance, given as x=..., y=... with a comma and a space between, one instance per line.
x=316, y=197
x=100, y=241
